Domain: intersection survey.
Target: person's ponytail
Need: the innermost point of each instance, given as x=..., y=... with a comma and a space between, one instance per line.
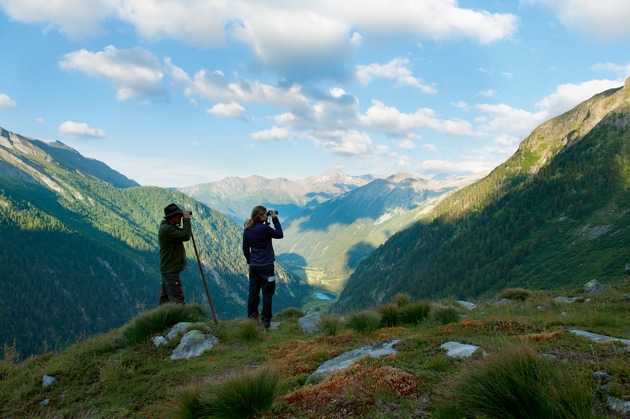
x=256, y=213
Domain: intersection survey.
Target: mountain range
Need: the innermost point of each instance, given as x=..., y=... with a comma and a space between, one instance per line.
x=235, y=196
x=553, y=216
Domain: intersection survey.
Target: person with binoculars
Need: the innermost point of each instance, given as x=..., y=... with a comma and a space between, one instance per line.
x=172, y=252
x=258, y=251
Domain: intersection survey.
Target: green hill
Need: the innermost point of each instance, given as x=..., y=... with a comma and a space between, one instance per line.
x=80, y=253
x=553, y=216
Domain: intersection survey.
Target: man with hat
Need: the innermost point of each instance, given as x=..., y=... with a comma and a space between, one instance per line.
x=172, y=252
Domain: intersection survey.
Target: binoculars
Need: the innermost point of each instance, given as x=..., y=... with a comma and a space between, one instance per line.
x=271, y=212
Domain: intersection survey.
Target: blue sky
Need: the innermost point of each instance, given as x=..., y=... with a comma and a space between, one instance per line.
x=181, y=92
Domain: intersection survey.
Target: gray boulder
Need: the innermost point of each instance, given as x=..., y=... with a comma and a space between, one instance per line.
x=311, y=323
x=459, y=350
x=193, y=344
x=346, y=359
x=593, y=287
x=47, y=380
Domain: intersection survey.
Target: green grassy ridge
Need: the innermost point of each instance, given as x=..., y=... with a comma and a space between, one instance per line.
x=108, y=376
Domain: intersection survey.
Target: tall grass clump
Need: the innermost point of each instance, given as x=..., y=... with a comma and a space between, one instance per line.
x=330, y=325
x=390, y=315
x=290, y=313
x=514, y=294
x=519, y=383
x=364, y=322
x=241, y=396
x=155, y=321
x=249, y=330
x=446, y=315
x=401, y=299
x=414, y=313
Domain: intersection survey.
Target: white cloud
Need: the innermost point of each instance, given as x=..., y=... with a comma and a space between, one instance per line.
x=275, y=133
x=567, y=96
x=6, y=102
x=429, y=168
x=622, y=71
x=605, y=19
x=227, y=110
x=347, y=143
x=214, y=86
x=488, y=92
x=75, y=18
x=430, y=147
x=460, y=105
x=298, y=40
x=134, y=72
x=396, y=69
x=390, y=120
x=504, y=118
x=80, y=129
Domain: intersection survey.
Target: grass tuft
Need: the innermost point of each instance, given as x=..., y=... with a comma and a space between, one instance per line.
x=241, y=396
x=153, y=322
x=514, y=294
x=414, y=313
x=517, y=382
x=446, y=315
x=331, y=325
x=290, y=313
x=364, y=322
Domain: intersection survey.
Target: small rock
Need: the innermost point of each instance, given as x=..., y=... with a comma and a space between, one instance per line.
x=467, y=305
x=193, y=344
x=47, y=380
x=159, y=341
x=44, y=402
x=459, y=350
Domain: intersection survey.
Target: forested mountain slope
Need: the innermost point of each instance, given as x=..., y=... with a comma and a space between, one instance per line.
x=554, y=215
x=79, y=250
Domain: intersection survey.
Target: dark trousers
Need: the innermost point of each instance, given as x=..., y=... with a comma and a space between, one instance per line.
x=259, y=281
x=172, y=291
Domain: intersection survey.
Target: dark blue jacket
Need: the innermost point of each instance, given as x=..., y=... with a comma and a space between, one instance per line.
x=257, y=246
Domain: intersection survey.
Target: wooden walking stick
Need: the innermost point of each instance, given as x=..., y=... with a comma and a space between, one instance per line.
x=204, y=278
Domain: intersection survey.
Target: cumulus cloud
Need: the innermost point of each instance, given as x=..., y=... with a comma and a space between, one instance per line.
x=345, y=142
x=396, y=69
x=136, y=73
x=6, y=102
x=275, y=133
x=301, y=40
x=80, y=129
x=227, y=110
x=604, y=19
x=75, y=18
x=568, y=95
x=390, y=120
x=488, y=92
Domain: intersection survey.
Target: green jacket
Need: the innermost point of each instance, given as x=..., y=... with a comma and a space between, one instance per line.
x=172, y=251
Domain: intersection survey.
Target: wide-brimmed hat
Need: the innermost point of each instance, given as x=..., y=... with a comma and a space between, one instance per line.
x=171, y=210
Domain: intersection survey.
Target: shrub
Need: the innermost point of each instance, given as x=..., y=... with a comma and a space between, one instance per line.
x=390, y=315
x=401, y=299
x=519, y=383
x=155, y=321
x=331, y=325
x=514, y=294
x=290, y=313
x=446, y=315
x=241, y=396
x=415, y=313
x=364, y=322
